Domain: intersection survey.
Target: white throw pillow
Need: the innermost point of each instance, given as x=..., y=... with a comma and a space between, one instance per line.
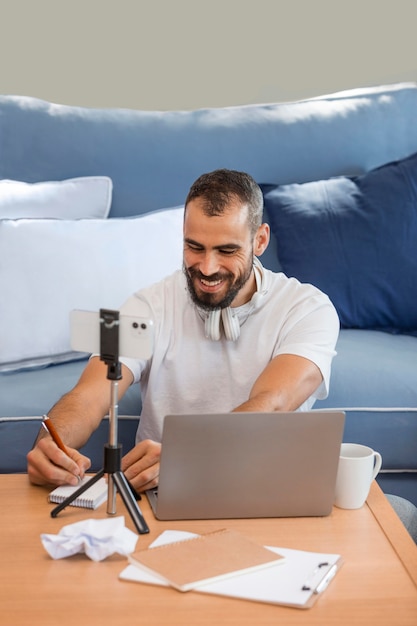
x=49, y=267
x=74, y=198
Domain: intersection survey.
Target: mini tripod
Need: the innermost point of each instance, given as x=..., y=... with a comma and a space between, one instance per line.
x=109, y=353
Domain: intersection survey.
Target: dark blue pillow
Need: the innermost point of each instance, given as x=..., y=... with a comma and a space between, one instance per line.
x=356, y=239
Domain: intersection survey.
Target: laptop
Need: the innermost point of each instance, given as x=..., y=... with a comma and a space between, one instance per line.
x=248, y=465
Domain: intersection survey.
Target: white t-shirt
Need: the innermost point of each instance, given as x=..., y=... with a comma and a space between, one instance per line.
x=189, y=373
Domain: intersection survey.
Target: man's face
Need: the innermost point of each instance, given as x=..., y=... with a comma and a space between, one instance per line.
x=218, y=256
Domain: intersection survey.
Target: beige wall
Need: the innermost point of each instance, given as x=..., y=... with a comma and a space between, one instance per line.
x=185, y=54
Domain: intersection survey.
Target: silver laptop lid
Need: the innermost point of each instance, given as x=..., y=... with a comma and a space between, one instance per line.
x=238, y=465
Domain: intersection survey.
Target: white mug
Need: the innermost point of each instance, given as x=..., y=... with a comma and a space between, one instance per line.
x=358, y=466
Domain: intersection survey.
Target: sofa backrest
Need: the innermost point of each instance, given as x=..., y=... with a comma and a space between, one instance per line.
x=153, y=157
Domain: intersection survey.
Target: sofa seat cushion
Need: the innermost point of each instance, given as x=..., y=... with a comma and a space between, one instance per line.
x=34, y=391
x=374, y=380
x=356, y=239
x=374, y=368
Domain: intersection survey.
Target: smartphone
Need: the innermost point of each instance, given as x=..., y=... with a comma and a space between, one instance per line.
x=135, y=334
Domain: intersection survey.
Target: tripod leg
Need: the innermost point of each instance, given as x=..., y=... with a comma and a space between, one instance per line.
x=130, y=502
x=77, y=493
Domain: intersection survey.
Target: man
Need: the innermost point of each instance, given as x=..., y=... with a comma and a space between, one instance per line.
x=229, y=336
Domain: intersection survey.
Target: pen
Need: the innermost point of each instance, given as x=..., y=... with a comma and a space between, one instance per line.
x=324, y=583
x=50, y=428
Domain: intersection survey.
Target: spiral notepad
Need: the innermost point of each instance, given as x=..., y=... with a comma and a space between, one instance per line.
x=90, y=499
x=204, y=558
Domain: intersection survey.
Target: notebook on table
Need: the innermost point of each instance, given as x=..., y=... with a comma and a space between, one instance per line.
x=92, y=498
x=241, y=465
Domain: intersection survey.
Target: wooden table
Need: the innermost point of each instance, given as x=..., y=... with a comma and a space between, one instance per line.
x=377, y=584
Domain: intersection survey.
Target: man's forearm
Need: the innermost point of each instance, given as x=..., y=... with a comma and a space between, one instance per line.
x=74, y=421
x=79, y=412
x=284, y=385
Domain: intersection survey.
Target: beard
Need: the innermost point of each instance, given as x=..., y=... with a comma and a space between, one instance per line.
x=208, y=301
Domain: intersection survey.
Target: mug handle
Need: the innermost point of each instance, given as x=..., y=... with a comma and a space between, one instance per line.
x=377, y=464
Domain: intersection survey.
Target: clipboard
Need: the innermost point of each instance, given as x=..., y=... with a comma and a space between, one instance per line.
x=297, y=583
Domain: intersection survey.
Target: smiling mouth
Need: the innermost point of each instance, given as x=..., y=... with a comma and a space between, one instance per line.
x=210, y=284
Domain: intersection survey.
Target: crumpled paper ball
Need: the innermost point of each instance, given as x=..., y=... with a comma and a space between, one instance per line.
x=97, y=538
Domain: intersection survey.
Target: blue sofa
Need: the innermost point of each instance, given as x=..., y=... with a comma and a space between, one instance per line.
x=339, y=178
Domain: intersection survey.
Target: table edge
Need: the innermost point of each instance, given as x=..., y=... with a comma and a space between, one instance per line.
x=394, y=530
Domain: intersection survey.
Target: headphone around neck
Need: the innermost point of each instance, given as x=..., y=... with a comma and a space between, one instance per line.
x=230, y=319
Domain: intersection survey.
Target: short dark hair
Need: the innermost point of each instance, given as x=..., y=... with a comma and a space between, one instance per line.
x=221, y=186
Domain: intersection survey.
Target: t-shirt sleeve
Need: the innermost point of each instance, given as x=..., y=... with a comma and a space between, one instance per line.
x=312, y=331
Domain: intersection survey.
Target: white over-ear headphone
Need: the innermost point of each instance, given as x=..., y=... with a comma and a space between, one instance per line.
x=216, y=318
x=230, y=319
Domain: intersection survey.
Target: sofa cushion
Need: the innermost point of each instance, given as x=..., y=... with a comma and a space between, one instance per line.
x=356, y=239
x=88, y=196
x=49, y=267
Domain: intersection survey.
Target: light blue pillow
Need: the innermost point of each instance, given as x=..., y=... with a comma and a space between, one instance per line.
x=356, y=239
x=73, y=198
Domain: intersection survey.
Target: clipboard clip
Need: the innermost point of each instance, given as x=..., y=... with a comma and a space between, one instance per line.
x=320, y=578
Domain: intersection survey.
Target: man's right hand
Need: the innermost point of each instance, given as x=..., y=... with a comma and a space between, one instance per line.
x=48, y=465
